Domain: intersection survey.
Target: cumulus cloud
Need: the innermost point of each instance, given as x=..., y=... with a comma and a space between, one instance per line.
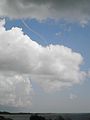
x=54, y=67
x=41, y=9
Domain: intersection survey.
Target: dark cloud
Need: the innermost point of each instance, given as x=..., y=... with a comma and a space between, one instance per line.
x=41, y=9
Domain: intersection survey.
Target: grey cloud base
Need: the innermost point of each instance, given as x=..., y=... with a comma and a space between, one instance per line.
x=77, y=10
x=54, y=67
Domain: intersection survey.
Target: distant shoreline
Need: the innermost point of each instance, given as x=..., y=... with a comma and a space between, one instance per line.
x=38, y=113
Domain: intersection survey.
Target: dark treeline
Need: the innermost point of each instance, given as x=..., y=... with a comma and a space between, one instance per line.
x=38, y=117
x=45, y=116
x=4, y=112
x=3, y=118
x=34, y=116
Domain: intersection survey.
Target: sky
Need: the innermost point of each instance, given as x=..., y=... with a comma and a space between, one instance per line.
x=45, y=56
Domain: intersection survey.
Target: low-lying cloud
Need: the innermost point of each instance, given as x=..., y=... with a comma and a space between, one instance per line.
x=15, y=89
x=77, y=10
x=54, y=67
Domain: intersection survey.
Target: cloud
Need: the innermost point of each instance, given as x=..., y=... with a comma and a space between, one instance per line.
x=15, y=90
x=54, y=67
x=88, y=74
x=76, y=10
x=73, y=96
x=59, y=34
x=83, y=23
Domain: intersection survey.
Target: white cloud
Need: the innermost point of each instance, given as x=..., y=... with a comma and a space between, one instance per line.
x=83, y=23
x=76, y=10
x=59, y=34
x=15, y=90
x=72, y=96
x=54, y=67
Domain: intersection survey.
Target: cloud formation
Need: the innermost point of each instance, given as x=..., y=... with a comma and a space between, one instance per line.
x=54, y=67
x=41, y=9
x=15, y=90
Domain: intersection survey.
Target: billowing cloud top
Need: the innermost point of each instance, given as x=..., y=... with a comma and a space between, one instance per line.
x=42, y=9
x=53, y=67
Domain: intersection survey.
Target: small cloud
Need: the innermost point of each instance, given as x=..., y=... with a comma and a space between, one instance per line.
x=68, y=29
x=65, y=29
x=59, y=34
x=83, y=23
x=72, y=96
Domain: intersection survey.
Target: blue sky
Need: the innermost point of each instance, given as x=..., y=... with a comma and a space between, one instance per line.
x=45, y=56
x=72, y=35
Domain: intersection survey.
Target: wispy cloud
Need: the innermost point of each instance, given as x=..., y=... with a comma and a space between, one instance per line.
x=72, y=96
x=83, y=23
x=59, y=34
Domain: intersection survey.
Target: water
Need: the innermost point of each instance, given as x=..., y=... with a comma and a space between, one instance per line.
x=85, y=116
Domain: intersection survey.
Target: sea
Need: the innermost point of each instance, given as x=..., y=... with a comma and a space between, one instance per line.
x=50, y=116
